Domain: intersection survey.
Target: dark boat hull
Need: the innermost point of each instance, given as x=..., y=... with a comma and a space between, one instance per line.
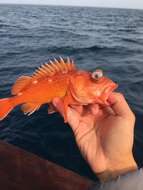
x=21, y=170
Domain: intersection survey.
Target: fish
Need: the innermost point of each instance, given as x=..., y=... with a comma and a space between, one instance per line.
x=58, y=78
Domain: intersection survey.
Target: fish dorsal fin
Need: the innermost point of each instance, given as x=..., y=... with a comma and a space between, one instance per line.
x=20, y=84
x=53, y=67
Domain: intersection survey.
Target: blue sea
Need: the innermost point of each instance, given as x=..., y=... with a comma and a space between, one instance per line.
x=110, y=39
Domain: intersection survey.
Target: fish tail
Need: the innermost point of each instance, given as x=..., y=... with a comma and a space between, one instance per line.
x=5, y=107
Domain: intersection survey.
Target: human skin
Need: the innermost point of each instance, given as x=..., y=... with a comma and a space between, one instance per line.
x=104, y=135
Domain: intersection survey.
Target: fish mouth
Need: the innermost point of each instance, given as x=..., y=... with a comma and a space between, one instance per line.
x=111, y=88
x=108, y=91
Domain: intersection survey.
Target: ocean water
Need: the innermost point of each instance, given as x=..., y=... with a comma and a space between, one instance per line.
x=110, y=39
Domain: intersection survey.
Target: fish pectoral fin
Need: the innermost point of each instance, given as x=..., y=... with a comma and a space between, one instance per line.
x=20, y=84
x=29, y=108
x=51, y=108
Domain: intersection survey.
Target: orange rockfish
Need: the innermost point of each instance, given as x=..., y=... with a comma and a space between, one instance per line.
x=58, y=78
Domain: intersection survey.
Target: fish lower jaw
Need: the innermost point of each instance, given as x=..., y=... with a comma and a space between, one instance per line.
x=107, y=92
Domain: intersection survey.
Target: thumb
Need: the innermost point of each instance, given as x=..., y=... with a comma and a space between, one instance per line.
x=120, y=106
x=73, y=114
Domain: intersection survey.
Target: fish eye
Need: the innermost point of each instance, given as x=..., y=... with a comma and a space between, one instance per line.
x=98, y=73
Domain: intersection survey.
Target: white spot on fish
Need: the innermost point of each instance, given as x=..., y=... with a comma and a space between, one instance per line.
x=35, y=82
x=106, y=91
x=49, y=80
x=97, y=93
x=64, y=72
x=20, y=93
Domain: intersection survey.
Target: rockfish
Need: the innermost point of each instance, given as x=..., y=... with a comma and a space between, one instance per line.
x=58, y=78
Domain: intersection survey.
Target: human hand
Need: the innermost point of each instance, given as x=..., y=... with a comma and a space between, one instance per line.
x=104, y=135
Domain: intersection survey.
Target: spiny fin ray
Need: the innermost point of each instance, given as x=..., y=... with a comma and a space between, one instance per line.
x=51, y=109
x=54, y=67
x=29, y=108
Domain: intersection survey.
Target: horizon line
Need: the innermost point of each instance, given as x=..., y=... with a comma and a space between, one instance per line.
x=36, y=4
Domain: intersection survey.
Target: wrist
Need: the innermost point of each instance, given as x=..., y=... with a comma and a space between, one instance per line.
x=116, y=169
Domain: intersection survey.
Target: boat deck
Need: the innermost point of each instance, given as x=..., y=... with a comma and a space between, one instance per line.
x=21, y=170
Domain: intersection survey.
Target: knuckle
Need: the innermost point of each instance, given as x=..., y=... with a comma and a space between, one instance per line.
x=120, y=95
x=132, y=116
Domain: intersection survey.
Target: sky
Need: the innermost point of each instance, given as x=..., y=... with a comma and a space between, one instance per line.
x=136, y=4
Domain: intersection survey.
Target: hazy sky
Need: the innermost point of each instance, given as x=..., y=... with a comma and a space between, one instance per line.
x=100, y=3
